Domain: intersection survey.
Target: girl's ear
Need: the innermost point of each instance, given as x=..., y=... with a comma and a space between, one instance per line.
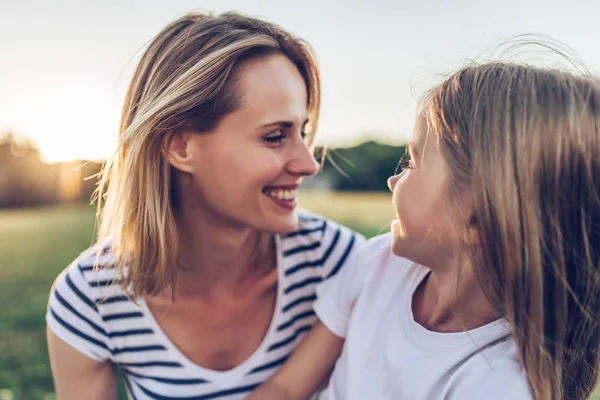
x=175, y=150
x=471, y=235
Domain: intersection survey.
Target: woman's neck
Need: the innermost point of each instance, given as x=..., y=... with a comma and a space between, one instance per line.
x=451, y=299
x=217, y=258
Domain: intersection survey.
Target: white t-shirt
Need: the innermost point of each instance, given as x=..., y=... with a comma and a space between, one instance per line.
x=387, y=355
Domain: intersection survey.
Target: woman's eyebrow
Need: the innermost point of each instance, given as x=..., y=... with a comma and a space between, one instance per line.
x=285, y=124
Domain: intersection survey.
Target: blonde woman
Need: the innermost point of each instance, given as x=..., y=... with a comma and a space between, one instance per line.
x=491, y=286
x=204, y=275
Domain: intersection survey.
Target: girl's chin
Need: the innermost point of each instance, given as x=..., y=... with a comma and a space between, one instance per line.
x=395, y=227
x=397, y=238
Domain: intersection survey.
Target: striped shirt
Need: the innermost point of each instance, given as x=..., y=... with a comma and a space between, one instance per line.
x=90, y=313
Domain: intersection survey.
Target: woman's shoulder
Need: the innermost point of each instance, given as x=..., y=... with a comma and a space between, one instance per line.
x=76, y=307
x=320, y=244
x=95, y=266
x=90, y=279
x=316, y=226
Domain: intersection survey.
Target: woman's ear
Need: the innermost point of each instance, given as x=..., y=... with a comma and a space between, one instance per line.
x=175, y=150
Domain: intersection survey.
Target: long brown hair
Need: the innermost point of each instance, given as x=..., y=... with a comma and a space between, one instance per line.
x=526, y=141
x=186, y=79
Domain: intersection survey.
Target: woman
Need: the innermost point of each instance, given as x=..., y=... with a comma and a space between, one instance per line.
x=203, y=277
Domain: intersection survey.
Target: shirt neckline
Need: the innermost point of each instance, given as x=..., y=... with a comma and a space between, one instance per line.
x=227, y=377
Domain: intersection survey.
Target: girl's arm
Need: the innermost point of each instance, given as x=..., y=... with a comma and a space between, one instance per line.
x=305, y=370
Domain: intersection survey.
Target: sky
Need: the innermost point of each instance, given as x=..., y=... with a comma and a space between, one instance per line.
x=65, y=64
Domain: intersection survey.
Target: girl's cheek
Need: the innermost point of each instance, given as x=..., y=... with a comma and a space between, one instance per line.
x=400, y=193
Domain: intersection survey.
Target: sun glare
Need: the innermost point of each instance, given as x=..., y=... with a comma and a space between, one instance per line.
x=68, y=123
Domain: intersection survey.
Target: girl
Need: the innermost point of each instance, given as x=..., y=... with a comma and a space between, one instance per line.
x=491, y=287
x=204, y=275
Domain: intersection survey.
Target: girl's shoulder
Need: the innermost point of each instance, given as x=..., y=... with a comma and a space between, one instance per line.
x=494, y=372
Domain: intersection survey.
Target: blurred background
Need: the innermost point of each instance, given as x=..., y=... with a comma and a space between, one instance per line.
x=65, y=66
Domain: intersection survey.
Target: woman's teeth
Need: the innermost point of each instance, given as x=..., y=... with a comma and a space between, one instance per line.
x=281, y=194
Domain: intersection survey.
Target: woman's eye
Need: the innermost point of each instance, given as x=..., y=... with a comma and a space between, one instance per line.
x=276, y=137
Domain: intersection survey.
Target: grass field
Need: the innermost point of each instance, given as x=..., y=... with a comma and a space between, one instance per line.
x=36, y=244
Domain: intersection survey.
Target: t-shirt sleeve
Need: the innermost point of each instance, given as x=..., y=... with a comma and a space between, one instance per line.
x=504, y=381
x=337, y=295
x=72, y=315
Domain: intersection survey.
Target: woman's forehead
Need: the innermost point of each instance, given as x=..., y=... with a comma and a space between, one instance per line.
x=272, y=84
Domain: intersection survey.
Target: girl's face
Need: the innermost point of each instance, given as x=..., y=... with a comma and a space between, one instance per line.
x=421, y=232
x=245, y=173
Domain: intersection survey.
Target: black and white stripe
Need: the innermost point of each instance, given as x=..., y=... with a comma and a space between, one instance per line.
x=89, y=310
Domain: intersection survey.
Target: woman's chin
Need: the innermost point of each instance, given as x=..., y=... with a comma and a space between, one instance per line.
x=282, y=224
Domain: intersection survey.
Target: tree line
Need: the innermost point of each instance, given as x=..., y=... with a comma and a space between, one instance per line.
x=25, y=180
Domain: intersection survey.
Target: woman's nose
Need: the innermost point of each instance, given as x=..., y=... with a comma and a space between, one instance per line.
x=303, y=163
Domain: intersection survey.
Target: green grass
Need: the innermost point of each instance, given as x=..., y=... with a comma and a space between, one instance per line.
x=367, y=213
x=36, y=244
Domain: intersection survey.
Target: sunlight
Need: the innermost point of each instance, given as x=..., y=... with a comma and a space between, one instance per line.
x=68, y=123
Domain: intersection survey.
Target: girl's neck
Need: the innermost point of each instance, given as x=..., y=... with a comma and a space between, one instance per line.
x=450, y=299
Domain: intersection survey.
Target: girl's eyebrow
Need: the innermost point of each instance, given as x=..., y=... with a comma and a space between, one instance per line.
x=412, y=148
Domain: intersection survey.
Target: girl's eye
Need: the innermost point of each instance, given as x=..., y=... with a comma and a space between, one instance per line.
x=405, y=163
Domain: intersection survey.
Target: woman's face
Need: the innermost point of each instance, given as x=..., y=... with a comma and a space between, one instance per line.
x=245, y=173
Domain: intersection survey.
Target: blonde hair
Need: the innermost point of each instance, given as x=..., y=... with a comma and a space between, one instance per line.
x=186, y=79
x=526, y=141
